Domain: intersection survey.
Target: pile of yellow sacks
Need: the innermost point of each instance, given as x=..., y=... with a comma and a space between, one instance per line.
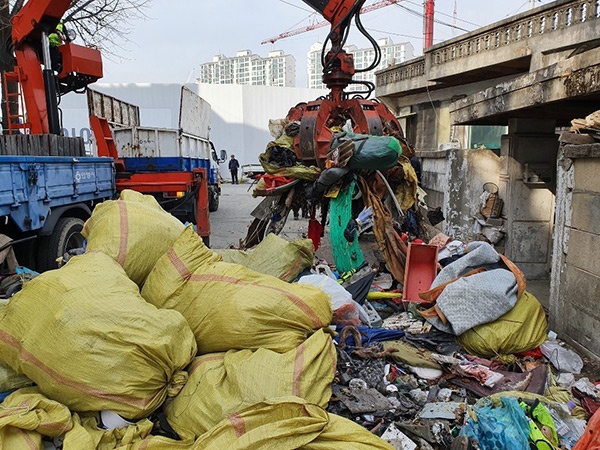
x=149, y=320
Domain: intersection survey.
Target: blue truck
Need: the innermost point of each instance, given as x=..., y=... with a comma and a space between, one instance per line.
x=45, y=200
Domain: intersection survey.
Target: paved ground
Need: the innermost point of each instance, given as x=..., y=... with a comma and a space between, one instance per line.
x=230, y=222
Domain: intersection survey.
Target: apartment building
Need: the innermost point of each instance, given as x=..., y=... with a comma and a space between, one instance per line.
x=247, y=68
x=390, y=54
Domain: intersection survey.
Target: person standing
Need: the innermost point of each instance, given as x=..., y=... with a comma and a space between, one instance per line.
x=234, y=165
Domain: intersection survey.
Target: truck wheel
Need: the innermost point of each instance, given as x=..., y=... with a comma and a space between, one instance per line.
x=65, y=236
x=213, y=200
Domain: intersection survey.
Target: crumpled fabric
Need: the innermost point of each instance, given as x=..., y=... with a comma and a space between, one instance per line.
x=404, y=182
x=298, y=171
x=463, y=302
x=591, y=437
x=390, y=244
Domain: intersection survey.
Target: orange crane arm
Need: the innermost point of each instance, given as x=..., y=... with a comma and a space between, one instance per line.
x=40, y=86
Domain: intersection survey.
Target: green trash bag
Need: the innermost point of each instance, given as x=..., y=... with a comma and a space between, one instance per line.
x=370, y=152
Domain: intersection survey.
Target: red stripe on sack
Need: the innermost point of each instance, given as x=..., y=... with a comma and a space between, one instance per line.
x=25, y=355
x=205, y=360
x=178, y=264
x=60, y=428
x=300, y=304
x=238, y=424
x=27, y=438
x=298, y=371
x=292, y=270
x=124, y=227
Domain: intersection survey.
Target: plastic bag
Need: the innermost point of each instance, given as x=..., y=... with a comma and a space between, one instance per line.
x=11, y=380
x=288, y=423
x=274, y=256
x=521, y=329
x=88, y=339
x=134, y=230
x=27, y=415
x=562, y=358
x=306, y=372
x=370, y=152
x=500, y=428
x=345, y=311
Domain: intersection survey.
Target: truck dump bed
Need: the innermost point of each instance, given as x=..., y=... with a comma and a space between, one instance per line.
x=146, y=149
x=31, y=185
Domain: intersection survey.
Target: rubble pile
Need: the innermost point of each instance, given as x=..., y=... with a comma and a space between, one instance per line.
x=150, y=340
x=470, y=363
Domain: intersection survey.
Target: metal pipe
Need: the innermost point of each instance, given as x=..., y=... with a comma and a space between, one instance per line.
x=46, y=51
x=50, y=85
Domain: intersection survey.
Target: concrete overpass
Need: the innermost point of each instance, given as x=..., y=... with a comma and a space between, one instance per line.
x=532, y=73
x=537, y=64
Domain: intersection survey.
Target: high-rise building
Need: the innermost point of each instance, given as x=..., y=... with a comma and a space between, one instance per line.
x=277, y=69
x=390, y=54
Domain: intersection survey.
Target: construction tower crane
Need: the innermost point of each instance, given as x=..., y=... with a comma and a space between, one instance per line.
x=324, y=23
x=427, y=25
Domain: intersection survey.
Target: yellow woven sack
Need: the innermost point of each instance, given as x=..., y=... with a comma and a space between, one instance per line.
x=229, y=306
x=341, y=433
x=86, y=434
x=27, y=415
x=280, y=424
x=84, y=335
x=521, y=329
x=274, y=256
x=288, y=423
x=134, y=230
x=223, y=383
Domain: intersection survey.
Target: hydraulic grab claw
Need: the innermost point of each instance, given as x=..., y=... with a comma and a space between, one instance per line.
x=318, y=117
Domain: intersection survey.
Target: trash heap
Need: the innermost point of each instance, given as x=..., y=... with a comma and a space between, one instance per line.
x=149, y=340
x=466, y=362
x=440, y=344
x=349, y=186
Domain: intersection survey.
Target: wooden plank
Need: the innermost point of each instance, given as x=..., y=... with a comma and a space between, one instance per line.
x=53, y=147
x=45, y=144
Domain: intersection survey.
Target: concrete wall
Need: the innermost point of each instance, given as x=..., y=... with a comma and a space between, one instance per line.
x=454, y=179
x=575, y=282
x=434, y=177
x=469, y=170
x=529, y=205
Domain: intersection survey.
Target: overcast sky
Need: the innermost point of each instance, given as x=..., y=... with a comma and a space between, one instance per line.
x=179, y=35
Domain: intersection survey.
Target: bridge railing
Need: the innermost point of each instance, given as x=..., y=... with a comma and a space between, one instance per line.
x=487, y=39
